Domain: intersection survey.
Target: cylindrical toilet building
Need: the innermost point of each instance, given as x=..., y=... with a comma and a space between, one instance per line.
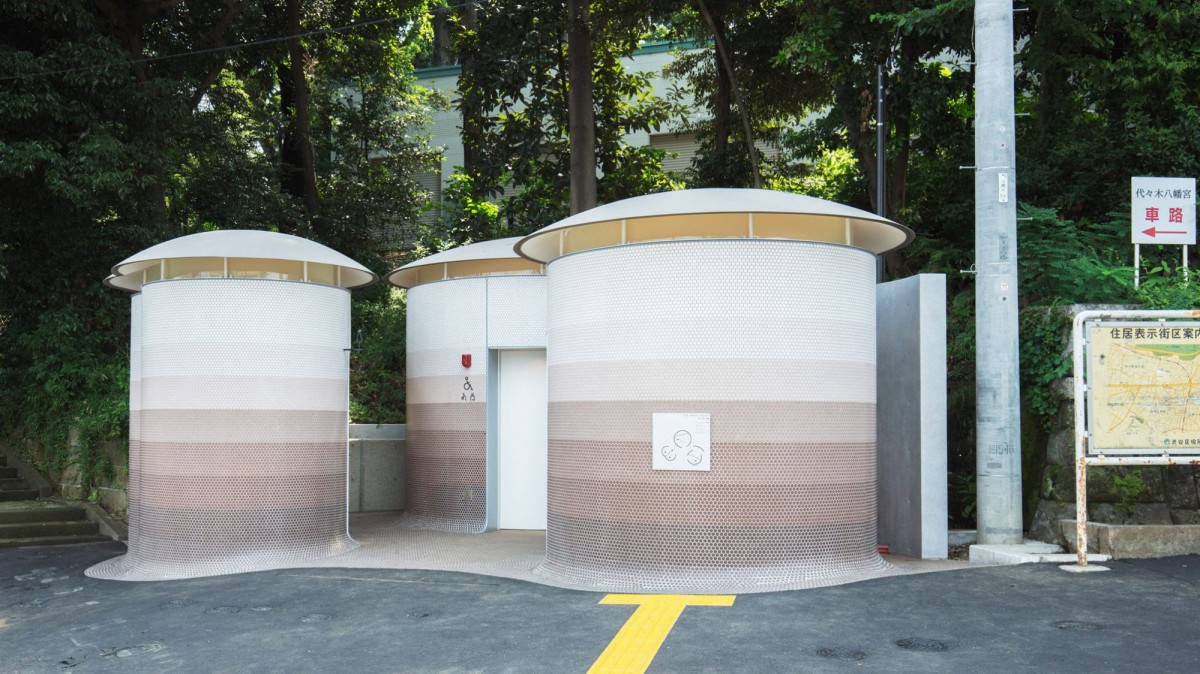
x=711, y=359
x=475, y=364
x=238, y=401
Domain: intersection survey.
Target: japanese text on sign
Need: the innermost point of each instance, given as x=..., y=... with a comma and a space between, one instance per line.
x=1163, y=210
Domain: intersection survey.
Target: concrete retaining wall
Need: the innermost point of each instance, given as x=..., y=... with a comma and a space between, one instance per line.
x=377, y=453
x=1129, y=541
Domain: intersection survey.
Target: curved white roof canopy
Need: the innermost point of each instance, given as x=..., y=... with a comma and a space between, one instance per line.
x=486, y=258
x=240, y=253
x=716, y=213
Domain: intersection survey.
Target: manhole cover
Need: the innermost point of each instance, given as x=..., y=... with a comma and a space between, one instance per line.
x=923, y=645
x=1076, y=625
x=223, y=609
x=260, y=609
x=841, y=654
x=316, y=618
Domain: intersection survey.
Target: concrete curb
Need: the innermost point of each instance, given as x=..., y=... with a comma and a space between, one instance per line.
x=1137, y=541
x=1031, y=552
x=109, y=526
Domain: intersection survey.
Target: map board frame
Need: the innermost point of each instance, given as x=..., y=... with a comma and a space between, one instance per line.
x=1085, y=415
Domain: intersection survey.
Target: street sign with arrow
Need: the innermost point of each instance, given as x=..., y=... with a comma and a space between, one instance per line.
x=1164, y=211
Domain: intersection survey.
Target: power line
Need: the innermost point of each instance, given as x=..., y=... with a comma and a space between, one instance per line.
x=217, y=50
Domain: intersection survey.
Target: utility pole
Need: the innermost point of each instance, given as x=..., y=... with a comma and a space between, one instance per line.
x=997, y=367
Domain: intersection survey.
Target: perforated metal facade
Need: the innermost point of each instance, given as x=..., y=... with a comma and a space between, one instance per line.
x=776, y=341
x=446, y=464
x=238, y=445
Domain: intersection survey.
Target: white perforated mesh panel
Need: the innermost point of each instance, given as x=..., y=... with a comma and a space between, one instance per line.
x=445, y=468
x=776, y=341
x=446, y=464
x=240, y=459
x=133, y=482
x=516, y=312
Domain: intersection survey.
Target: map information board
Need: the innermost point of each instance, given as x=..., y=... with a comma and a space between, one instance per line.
x=1144, y=381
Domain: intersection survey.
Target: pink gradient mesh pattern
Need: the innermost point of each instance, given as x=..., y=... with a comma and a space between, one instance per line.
x=239, y=427
x=445, y=469
x=693, y=326
x=446, y=463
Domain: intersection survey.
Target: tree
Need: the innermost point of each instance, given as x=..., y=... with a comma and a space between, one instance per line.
x=123, y=124
x=1113, y=90
x=514, y=92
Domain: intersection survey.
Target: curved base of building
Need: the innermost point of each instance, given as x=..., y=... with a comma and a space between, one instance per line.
x=134, y=567
x=714, y=580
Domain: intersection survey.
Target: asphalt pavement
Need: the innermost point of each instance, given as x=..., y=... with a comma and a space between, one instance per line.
x=1143, y=616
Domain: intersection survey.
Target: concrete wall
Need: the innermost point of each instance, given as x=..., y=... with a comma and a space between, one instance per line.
x=911, y=363
x=377, y=453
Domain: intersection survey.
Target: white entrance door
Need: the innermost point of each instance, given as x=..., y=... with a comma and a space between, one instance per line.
x=521, y=440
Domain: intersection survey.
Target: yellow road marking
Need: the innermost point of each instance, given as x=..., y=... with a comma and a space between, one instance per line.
x=638, y=641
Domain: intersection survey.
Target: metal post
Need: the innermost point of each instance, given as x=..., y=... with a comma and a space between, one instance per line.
x=1186, y=274
x=880, y=144
x=998, y=405
x=1137, y=265
x=880, y=160
x=1079, y=338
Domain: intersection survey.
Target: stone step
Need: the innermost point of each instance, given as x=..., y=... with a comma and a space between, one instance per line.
x=18, y=494
x=7, y=483
x=38, y=511
x=51, y=540
x=53, y=528
x=9, y=472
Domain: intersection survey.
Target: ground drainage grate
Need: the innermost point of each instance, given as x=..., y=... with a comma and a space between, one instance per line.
x=1076, y=625
x=923, y=645
x=841, y=654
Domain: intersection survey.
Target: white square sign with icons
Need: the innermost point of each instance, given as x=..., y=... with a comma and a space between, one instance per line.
x=682, y=441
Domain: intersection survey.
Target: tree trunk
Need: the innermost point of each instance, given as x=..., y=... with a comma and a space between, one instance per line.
x=442, y=55
x=725, y=62
x=472, y=128
x=723, y=105
x=302, y=124
x=855, y=106
x=581, y=120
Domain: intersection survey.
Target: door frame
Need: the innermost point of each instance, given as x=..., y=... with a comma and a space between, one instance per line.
x=492, y=472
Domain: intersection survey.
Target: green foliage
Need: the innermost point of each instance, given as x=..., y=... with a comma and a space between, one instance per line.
x=514, y=86
x=377, y=367
x=963, y=498
x=1111, y=88
x=834, y=176
x=103, y=154
x=1128, y=487
x=1045, y=358
x=70, y=374
x=464, y=217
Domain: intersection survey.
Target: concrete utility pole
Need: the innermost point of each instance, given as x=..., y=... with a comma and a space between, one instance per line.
x=997, y=368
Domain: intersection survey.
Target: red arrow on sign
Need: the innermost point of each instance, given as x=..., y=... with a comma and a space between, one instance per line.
x=1152, y=232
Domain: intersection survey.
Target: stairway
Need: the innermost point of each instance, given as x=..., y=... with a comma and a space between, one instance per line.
x=25, y=520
